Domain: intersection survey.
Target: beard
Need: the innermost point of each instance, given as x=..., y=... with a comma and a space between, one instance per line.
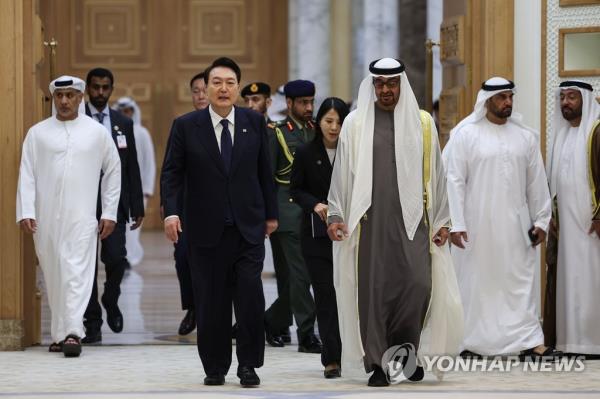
x=262, y=109
x=503, y=112
x=570, y=114
x=99, y=102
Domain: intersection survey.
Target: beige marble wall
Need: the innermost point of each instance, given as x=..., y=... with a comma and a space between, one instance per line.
x=12, y=333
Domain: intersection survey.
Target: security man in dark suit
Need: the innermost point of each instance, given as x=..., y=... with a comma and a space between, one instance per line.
x=221, y=154
x=99, y=86
x=285, y=137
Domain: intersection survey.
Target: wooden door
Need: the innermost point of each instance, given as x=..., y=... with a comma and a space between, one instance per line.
x=154, y=47
x=476, y=43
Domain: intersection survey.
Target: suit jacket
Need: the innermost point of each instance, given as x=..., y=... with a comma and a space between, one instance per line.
x=309, y=185
x=194, y=161
x=131, y=202
x=181, y=192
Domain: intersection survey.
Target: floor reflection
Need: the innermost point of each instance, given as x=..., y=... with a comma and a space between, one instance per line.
x=150, y=300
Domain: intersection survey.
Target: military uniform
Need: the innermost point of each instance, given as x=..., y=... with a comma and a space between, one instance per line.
x=293, y=281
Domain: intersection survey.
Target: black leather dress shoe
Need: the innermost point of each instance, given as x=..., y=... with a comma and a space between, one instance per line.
x=92, y=338
x=114, y=317
x=217, y=379
x=332, y=373
x=418, y=375
x=273, y=340
x=188, y=323
x=310, y=344
x=378, y=378
x=286, y=336
x=532, y=355
x=248, y=377
x=466, y=354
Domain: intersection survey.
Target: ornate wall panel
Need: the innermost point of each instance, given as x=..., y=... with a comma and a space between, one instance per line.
x=556, y=18
x=214, y=28
x=154, y=47
x=452, y=109
x=110, y=31
x=452, y=40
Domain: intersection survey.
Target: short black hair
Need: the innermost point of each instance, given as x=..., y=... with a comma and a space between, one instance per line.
x=196, y=77
x=226, y=63
x=99, y=73
x=330, y=103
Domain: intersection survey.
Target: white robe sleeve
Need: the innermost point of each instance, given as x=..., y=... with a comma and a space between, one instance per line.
x=339, y=189
x=26, y=186
x=111, y=181
x=440, y=210
x=538, y=194
x=146, y=160
x=457, y=178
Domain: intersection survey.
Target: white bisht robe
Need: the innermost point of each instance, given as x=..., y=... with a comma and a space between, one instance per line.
x=58, y=187
x=349, y=199
x=145, y=154
x=578, y=266
x=497, y=190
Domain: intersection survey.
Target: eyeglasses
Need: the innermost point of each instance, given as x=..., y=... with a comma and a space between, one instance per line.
x=390, y=83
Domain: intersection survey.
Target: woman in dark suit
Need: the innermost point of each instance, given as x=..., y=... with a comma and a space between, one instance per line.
x=309, y=185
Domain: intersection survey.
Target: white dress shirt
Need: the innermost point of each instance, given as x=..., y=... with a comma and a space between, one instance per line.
x=106, y=121
x=216, y=122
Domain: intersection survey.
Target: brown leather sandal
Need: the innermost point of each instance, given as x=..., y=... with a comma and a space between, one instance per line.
x=55, y=347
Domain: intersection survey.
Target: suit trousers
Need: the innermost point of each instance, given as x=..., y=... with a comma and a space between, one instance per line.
x=292, y=276
x=320, y=268
x=183, y=272
x=114, y=256
x=282, y=278
x=229, y=271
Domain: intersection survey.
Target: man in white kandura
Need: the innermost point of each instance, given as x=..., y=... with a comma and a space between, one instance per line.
x=574, y=172
x=388, y=198
x=63, y=157
x=500, y=210
x=145, y=154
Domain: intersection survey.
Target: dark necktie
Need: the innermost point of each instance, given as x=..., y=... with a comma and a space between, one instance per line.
x=226, y=145
x=100, y=117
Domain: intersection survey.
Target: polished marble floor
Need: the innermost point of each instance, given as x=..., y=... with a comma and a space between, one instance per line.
x=148, y=359
x=150, y=300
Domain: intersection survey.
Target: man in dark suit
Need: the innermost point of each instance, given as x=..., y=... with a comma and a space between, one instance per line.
x=100, y=83
x=221, y=155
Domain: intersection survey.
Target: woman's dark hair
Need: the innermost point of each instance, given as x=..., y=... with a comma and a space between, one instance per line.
x=330, y=103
